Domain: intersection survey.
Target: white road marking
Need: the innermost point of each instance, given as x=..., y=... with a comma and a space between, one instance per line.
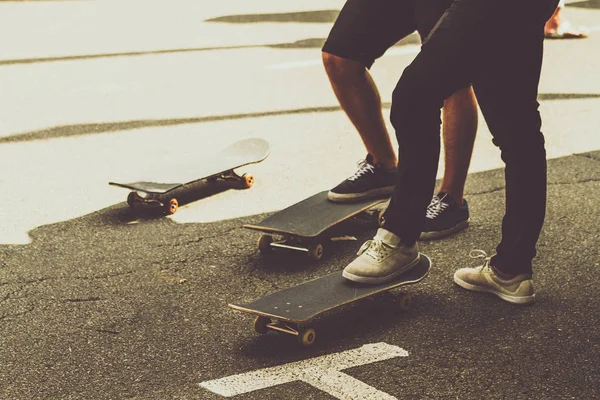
x=344, y=386
x=322, y=372
x=343, y=238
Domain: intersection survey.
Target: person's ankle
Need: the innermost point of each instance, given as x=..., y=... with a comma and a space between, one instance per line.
x=457, y=196
x=502, y=275
x=387, y=163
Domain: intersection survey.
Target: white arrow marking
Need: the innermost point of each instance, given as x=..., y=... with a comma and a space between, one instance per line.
x=322, y=372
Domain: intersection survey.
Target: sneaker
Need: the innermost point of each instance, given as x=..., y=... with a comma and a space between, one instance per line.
x=382, y=259
x=444, y=216
x=518, y=290
x=369, y=181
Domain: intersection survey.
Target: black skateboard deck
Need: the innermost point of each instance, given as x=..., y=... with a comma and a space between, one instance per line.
x=304, y=225
x=218, y=167
x=289, y=309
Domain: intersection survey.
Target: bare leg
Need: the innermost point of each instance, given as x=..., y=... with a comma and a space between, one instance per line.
x=459, y=129
x=360, y=100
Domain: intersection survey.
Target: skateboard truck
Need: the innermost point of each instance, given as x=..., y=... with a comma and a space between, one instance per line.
x=313, y=249
x=245, y=181
x=305, y=336
x=136, y=198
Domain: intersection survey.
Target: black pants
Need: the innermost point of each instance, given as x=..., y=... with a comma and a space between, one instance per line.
x=471, y=44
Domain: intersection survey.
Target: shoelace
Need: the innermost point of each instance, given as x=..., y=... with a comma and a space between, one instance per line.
x=436, y=207
x=476, y=253
x=363, y=168
x=375, y=248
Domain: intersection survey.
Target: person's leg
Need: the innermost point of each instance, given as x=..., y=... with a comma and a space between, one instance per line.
x=458, y=130
x=448, y=212
x=359, y=98
x=449, y=59
x=464, y=43
x=444, y=66
x=363, y=31
x=508, y=100
x=507, y=94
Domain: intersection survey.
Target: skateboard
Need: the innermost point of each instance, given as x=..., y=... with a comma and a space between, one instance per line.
x=218, y=168
x=306, y=225
x=291, y=310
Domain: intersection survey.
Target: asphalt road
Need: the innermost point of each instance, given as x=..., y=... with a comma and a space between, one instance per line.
x=99, y=303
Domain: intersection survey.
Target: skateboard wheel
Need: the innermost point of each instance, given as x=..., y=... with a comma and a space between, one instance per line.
x=248, y=180
x=260, y=324
x=306, y=337
x=132, y=199
x=172, y=206
x=404, y=302
x=316, y=251
x=264, y=243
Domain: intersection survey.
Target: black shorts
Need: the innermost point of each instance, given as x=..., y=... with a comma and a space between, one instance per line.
x=365, y=29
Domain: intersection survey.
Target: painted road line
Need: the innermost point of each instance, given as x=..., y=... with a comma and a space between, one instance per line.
x=412, y=49
x=321, y=372
x=343, y=386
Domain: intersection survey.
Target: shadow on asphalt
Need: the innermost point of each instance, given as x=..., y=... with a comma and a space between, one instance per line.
x=592, y=4
x=189, y=193
x=116, y=126
x=311, y=17
x=311, y=43
x=324, y=16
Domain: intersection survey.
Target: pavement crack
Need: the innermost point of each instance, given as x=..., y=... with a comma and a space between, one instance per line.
x=104, y=276
x=107, y=331
x=493, y=190
x=5, y=298
x=44, y=279
x=83, y=300
x=573, y=183
x=500, y=188
x=7, y=316
x=197, y=240
x=32, y=281
x=587, y=156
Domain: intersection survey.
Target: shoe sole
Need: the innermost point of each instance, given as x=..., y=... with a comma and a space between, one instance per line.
x=505, y=297
x=350, y=197
x=383, y=279
x=442, y=234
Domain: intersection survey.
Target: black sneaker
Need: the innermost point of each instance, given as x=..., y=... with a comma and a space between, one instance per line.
x=370, y=181
x=444, y=217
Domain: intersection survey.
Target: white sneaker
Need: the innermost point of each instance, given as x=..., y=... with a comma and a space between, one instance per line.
x=381, y=259
x=518, y=290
